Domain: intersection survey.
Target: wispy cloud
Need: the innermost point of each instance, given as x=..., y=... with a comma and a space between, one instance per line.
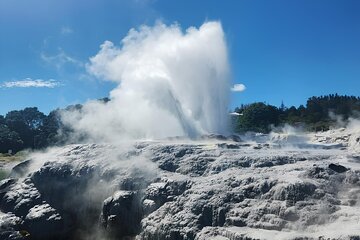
x=28, y=82
x=60, y=59
x=238, y=87
x=66, y=30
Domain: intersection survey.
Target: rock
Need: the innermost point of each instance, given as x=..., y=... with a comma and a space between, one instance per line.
x=13, y=235
x=235, y=138
x=293, y=193
x=44, y=222
x=169, y=165
x=165, y=190
x=215, y=137
x=228, y=145
x=122, y=213
x=219, y=137
x=10, y=227
x=319, y=172
x=20, y=198
x=5, y=186
x=185, y=191
x=149, y=206
x=37, y=218
x=338, y=168
x=21, y=169
x=65, y=186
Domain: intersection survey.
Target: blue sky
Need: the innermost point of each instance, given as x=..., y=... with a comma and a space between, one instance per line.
x=281, y=50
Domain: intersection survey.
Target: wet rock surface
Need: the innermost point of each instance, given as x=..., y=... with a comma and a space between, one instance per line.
x=213, y=188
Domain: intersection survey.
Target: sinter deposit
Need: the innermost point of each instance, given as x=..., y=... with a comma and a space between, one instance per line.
x=213, y=188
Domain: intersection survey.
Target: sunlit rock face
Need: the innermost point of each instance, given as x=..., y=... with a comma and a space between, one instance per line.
x=179, y=189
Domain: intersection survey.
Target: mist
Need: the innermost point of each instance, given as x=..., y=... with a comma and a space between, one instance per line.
x=170, y=83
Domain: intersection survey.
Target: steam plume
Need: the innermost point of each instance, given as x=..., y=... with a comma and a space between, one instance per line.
x=170, y=83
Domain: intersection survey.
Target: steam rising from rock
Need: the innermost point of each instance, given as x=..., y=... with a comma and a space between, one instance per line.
x=170, y=83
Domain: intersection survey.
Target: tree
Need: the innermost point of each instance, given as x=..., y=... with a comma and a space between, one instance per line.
x=9, y=140
x=315, y=116
x=52, y=131
x=26, y=123
x=282, y=106
x=2, y=119
x=258, y=117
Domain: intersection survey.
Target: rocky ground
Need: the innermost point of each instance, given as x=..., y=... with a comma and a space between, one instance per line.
x=279, y=186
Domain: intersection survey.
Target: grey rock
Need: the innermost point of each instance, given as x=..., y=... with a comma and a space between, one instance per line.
x=338, y=168
x=214, y=188
x=10, y=227
x=21, y=169
x=122, y=213
x=44, y=222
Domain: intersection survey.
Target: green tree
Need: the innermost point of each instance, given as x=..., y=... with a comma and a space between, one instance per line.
x=258, y=117
x=26, y=123
x=52, y=132
x=315, y=116
x=9, y=140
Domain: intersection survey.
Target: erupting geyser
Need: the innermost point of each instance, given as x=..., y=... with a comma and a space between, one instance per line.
x=170, y=83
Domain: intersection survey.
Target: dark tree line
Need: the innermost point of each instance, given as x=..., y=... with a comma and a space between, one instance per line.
x=317, y=115
x=29, y=128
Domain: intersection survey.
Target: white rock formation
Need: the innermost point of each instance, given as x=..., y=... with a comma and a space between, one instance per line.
x=215, y=188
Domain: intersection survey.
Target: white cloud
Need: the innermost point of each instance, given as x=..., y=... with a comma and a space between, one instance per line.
x=60, y=59
x=238, y=87
x=28, y=82
x=66, y=30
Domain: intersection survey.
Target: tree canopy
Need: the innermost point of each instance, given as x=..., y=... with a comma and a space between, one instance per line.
x=257, y=117
x=320, y=113
x=29, y=128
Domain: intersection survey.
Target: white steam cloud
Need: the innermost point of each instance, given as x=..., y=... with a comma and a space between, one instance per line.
x=170, y=83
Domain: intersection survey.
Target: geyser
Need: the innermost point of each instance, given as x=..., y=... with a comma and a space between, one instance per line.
x=170, y=83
